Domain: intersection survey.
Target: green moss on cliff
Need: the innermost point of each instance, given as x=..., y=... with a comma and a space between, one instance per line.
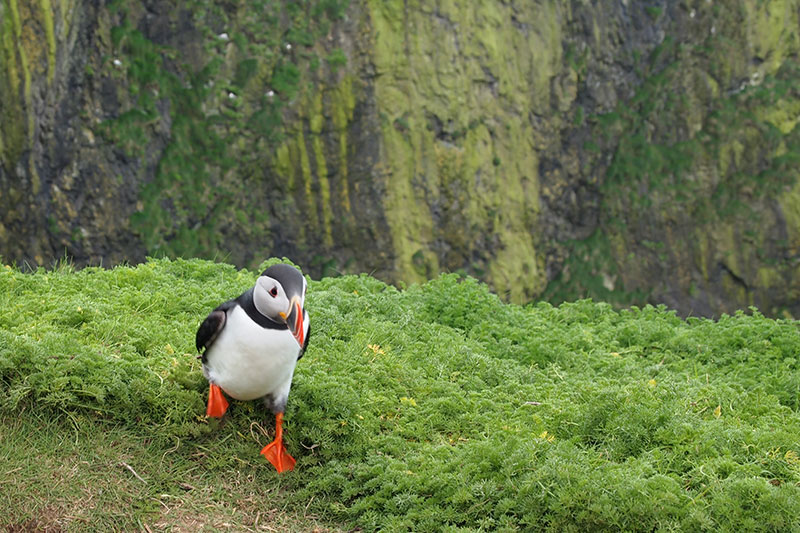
x=343, y=103
x=11, y=137
x=50, y=36
x=304, y=158
x=21, y=50
x=251, y=126
x=224, y=109
x=14, y=65
x=454, y=105
x=790, y=208
x=304, y=165
x=686, y=152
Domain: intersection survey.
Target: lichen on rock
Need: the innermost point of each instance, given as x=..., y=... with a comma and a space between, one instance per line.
x=556, y=150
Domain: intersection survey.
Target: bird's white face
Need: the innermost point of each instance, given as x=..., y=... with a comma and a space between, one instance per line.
x=270, y=299
x=279, y=294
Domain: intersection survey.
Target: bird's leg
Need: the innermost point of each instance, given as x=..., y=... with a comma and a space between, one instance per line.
x=217, y=404
x=275, y=451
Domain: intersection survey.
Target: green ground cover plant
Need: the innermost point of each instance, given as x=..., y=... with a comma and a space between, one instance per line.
x=427, y=408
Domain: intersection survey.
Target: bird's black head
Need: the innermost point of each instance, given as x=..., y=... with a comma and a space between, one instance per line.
x=291, y=279
x=280, y=294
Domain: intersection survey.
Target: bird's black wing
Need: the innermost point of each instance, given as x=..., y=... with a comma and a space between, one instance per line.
x=305, y=343
x=210, y=328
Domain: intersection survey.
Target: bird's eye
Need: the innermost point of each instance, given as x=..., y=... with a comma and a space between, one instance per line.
x=273, y=292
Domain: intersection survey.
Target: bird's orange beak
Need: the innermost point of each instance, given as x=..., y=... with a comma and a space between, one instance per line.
x=294, y=320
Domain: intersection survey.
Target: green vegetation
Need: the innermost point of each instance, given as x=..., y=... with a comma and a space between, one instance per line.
x=748, y=119
x=337, y=59
x=458, y=133
x=434, y=407
x=457, y=142
x=16, y=118
x=675, y=166
x=224, y=108
x=590, y=269
x=653, y=11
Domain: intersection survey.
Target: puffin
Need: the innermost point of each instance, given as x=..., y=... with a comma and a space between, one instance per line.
x=250, y=345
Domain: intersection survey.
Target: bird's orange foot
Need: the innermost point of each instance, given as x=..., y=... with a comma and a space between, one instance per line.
x=275, y=452
x=217, y=404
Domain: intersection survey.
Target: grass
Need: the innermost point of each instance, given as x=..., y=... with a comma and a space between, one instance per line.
x=432, y=408
x=82, y=474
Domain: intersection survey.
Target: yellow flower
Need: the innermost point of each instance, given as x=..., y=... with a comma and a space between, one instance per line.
x=652, y=383
x=718, y=411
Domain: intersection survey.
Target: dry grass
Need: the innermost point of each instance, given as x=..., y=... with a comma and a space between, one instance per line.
x=84, y=475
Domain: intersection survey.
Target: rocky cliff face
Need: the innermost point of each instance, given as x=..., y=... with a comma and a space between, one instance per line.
x=628, y=151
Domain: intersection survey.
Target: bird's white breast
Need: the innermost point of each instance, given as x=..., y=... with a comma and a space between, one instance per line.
x=249, y=361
